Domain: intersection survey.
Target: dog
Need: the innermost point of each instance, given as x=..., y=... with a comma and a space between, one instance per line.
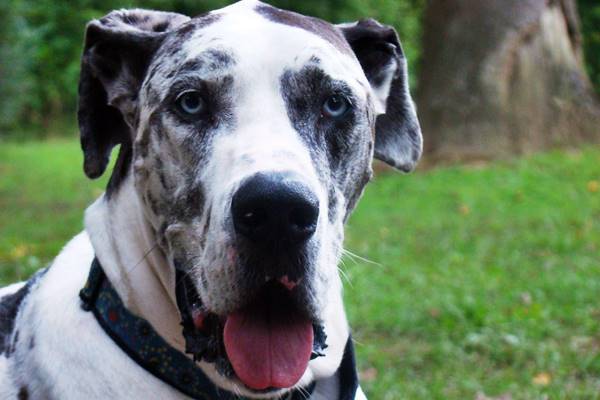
x=209, y=267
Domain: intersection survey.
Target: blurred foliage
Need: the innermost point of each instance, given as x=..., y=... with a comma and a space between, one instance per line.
x=590, y=20
x=40, y=45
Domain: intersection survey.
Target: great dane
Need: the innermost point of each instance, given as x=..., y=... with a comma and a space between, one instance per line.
x=209, y=268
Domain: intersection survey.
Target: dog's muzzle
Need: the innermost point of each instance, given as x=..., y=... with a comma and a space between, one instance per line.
x=268, y=341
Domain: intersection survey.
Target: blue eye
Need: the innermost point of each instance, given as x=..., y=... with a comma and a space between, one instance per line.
x=336, y=106
x=191, y=103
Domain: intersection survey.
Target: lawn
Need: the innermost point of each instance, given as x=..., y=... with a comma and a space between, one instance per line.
x=469, y=282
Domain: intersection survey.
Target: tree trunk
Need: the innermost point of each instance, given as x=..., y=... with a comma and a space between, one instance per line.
x=501, y=77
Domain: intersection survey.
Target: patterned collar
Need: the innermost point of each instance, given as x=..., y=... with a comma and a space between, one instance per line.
x=136, y=337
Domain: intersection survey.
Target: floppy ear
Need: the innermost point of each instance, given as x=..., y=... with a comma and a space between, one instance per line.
x=398, y=140
x=117, y=51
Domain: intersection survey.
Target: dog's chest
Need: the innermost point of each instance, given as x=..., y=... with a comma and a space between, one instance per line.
x=58, y=351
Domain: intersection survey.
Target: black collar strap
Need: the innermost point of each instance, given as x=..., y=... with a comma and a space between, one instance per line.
x=136, y=337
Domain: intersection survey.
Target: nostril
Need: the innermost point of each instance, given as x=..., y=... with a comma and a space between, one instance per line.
x=254, y=218
x=248, y=221
x=304, y=219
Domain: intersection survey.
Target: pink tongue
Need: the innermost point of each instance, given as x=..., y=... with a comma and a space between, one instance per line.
x=267, y=346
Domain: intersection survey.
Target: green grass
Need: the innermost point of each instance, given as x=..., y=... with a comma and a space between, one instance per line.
x=43, y=194
x=483, y=279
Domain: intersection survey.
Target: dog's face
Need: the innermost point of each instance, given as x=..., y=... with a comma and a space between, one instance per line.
x=250, y=134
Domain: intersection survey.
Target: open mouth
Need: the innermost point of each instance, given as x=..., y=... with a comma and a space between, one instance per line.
x=267, y=344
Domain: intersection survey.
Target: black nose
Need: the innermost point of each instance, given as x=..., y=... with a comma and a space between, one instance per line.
x=274, y=207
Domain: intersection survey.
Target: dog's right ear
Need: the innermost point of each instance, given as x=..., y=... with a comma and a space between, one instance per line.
x=398, y=139
x=117, y=51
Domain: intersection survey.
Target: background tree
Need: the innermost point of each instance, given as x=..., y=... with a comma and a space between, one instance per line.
x=500, y=77
x=590, y=22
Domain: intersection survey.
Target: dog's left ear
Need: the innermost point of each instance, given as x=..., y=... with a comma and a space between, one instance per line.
x=398, y=140
x=118, y=49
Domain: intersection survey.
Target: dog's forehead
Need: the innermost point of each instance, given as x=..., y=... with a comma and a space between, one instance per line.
x=259, y=39
x=244, y=14
x=316, y=26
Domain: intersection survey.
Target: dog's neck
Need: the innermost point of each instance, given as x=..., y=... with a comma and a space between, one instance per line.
x=126, y=246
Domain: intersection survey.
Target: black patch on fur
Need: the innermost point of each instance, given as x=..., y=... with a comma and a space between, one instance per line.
x=218, y=59
x=313, y=25
x=333, y=204
x=191, y=66
x=340, y=148
x=359, y=178
x=161, y=27
x=210, y=60
x=23, y=393
x=13, y=346
x=305, y=92
x=185, y=31
x=190, y=204
x=199, y=22
x=121, y=169
x=9, y=307
x=154, y=204
x=163, y=181
x=152, y=72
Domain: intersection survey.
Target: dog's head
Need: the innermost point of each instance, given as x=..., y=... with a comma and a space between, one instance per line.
x=249, y=133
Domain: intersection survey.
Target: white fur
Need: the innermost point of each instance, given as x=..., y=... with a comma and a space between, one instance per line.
x=11, y=289
x=73, y=358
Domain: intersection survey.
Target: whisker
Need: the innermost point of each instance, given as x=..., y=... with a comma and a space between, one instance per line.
x=305, y=393
x=143, y=257
x=355, y=257
x=146, y=254
x=345, y=276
